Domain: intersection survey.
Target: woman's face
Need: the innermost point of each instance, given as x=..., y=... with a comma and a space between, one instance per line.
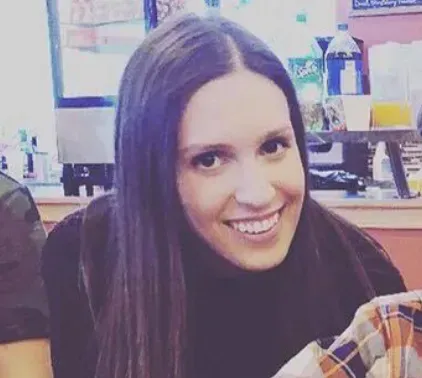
x=240, y=176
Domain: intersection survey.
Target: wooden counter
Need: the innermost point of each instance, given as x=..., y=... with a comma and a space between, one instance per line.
x=379, y=214
x=395, y=214
x=395, y=223
x=54, y=209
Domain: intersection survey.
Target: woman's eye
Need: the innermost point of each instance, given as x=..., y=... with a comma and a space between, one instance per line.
x=273, y=147
x=208, y=160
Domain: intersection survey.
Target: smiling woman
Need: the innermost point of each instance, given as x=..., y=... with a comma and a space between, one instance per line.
x=210, y=259
x=234, y=168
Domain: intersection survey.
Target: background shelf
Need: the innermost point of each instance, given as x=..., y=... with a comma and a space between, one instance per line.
x=398, y=135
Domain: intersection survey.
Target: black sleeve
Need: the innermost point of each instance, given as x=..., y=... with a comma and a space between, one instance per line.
x=23, y=303
x=70, y=321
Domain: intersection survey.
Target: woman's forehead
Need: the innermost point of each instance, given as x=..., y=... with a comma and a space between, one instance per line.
x=237, y=105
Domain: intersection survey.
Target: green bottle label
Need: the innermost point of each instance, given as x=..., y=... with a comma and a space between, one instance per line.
x=306, y=70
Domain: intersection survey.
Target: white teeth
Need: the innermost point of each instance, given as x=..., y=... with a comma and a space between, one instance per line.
x=256, y=227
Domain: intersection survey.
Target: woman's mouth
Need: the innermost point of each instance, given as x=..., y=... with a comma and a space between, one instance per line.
x=256, y=227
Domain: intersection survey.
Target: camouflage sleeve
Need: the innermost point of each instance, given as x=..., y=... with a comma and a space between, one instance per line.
x=23, y=304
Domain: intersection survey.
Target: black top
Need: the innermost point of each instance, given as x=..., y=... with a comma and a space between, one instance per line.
x=241, y=331
x=23, y=303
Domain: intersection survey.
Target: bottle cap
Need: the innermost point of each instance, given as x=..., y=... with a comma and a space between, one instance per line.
x=301, y=17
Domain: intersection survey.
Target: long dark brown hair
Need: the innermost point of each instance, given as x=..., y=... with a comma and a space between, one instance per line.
x=142, y=321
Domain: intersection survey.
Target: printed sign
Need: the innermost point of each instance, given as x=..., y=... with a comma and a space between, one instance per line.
x=384, y=7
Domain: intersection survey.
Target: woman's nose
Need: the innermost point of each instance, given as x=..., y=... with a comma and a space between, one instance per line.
x=255, y=188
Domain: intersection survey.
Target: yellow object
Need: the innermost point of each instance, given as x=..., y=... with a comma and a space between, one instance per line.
x=26, y=359
x=391, y=114
x=415, y=182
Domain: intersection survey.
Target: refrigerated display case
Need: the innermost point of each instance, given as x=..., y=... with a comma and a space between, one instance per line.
x=91, y=42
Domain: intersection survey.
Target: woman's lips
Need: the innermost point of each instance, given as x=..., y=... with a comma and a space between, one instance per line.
x=254, y=230
x=255, y=226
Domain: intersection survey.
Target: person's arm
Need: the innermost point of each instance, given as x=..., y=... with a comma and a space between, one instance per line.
x=337, y=357
x=384, y=340
x=24, y=348
x=25, y=359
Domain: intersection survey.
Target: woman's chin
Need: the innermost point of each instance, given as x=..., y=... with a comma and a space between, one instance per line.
x=259, y=263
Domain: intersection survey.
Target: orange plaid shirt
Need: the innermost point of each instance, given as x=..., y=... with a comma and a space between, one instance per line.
x=384, y=340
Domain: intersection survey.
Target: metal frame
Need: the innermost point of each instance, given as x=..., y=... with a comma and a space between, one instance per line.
x=397, y=168
x=392, y=137
x=56, y=60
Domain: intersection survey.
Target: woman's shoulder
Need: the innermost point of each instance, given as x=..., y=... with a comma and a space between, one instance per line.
x=63, y=245
x=99, y=208
x=63, y=255
x=64, y=239
x=360, y=247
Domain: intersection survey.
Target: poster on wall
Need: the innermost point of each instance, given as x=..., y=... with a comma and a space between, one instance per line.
x=385, y=7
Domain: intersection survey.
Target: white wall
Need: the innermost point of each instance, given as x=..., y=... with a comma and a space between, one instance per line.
x=277, y=16
x=26, y=97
